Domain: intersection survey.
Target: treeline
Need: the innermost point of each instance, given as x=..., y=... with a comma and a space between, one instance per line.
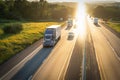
x=104, y=12
x=35, y=10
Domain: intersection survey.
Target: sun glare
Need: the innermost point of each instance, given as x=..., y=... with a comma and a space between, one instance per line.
x=80, y=20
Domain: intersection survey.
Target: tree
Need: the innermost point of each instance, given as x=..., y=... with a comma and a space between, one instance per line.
x=3, y=9
x=99, y=11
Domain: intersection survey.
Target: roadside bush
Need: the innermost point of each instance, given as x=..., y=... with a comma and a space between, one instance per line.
x=12, y=28
x=1, y=31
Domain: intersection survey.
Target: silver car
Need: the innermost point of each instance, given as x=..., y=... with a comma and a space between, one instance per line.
x=70, y=35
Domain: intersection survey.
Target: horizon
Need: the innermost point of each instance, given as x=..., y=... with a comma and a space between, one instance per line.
x=79, y=0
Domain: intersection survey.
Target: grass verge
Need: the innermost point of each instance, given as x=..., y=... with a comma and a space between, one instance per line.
x=114, y=25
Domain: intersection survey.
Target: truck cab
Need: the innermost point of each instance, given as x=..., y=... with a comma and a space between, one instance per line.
x=48, y=38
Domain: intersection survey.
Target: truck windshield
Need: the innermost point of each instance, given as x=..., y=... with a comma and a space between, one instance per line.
x=47, y=37
x=49, y=31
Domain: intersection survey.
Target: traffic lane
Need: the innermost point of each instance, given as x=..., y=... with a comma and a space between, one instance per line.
x=112, y=39
x=32, y=65
x=74, y=71
x=19, y=66
x=26, y=71
x=75, y=67
x=53, y=67
x=108, y=63
x=92, y=70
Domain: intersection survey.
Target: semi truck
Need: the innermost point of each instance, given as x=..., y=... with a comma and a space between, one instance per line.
x=52, y=35
x=95, y=21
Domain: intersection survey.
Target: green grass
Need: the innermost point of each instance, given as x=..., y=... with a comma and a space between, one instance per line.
x=11, y=44
x=115, y=25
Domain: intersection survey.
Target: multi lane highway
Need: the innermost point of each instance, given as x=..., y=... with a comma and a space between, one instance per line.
x=107, y=49
x=54, y=67
x=93, y=55
x=52, y=59
x=72, y=65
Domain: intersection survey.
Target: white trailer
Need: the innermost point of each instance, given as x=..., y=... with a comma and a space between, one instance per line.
x=95, y=21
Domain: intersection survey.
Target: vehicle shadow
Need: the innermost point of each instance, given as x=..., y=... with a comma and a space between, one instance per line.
x=33, y=64
x=97, y=25
x=67, y=28
x=70, y=38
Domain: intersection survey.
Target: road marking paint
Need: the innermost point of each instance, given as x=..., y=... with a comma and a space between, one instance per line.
x=50, y=56
x=45, y=61
x=113, y=50
x=109, y=43
x=23, y=61
x=67, y=61
x=30, y=78
x=84, y=63
x=102, y=73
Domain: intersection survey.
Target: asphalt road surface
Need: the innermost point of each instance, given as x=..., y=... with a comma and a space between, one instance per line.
x=74, y=70
x=66, y=62
x=107, y=49
x=54, y=67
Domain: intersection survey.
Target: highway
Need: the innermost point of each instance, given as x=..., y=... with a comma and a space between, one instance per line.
x=57, y=58
x=93, y=52
x=55, y=62
x=107, y=49
x=69, y=66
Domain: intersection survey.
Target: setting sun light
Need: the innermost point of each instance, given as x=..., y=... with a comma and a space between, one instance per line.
x=80, y=20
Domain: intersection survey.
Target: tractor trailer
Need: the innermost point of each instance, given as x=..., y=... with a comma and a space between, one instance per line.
x=52, y=35
x=95, y=21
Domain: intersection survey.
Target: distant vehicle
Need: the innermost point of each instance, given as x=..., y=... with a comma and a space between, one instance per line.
x=95, y=21
x=70, y=23
x=52, y=35
x=70, y=35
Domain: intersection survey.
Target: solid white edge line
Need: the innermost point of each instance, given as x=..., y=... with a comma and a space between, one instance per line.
x=30, y=78
x=67, y=59
x=102, y=75
x=32, y=54
x=109, y=43
x=113, y=51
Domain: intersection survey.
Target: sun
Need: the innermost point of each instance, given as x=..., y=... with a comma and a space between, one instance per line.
x=80, y=19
